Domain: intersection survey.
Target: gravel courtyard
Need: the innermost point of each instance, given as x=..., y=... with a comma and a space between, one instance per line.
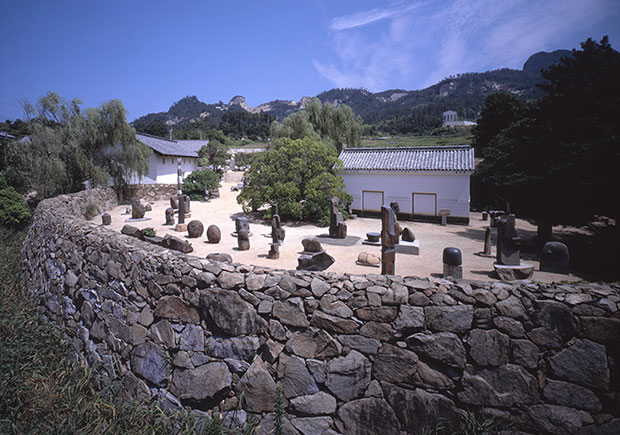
x=432, y=237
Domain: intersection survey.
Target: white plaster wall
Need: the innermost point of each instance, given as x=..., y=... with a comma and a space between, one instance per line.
x=166, y=168
x=452, y=189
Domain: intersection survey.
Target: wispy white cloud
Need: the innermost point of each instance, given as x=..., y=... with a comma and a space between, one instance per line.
x=366, y=17
x=421, y=43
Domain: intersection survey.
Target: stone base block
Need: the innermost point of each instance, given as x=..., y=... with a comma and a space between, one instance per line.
x=455, y=272
x=408, y=248
x=512, y=273
x=181, y=228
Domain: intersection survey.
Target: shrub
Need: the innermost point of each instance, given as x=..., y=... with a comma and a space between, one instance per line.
x=14, y=211
x=91, y=210
x=198, y=181
x=149, y=232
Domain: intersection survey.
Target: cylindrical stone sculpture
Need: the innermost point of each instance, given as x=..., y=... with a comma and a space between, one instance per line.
x=243, y=240
x=170, y=216
x=452, y=263
x=106, y=219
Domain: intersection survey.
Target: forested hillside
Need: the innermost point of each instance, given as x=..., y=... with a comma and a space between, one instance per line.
x=394, y=111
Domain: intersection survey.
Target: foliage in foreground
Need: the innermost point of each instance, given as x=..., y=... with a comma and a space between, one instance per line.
x=298, y=175
x=200, y=180
x=42, y=391
x=14, y=211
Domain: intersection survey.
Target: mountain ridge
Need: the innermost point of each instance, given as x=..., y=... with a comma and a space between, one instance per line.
x=393, y=110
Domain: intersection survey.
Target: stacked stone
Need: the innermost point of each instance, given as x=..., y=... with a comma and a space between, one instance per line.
x=351, y=353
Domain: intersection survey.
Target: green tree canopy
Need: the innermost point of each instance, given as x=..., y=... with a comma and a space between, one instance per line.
x=196, y=183
x=335, y=125
x=499, y=112
x=68, y=146
x=558, y=162
x=213, y=154
x=298, y=175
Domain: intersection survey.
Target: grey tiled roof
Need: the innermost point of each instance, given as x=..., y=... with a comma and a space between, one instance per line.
x=455, y=158
x=182, y=148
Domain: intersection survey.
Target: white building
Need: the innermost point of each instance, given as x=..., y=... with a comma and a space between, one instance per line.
x=423, y=180
x=450, y=119
x=163, y=169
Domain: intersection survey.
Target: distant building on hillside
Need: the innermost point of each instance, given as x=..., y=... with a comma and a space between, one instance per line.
x=450, y=119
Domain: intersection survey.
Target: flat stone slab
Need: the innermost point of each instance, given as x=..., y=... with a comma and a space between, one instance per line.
x=347, y=241
x=138, y=220
x=512, y=273
x=368, y=242
x=408, y=248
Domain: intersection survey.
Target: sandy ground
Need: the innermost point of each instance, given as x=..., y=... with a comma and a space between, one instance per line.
x=433, y=239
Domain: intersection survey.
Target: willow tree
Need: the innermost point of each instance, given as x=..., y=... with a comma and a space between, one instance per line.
x=68, y=147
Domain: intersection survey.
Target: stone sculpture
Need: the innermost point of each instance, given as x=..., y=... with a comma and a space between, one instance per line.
x=452, y=263
x=316, y=262
x=407, y=235
x=337, y=227
x=241, y=223
x=277, y=232
x=508, y=242
x=195, y=229
x=137, y=209
x=555, y=258
x=106, y=219
x=214, y=235
x=274, y=251
x=487, y=241
x=368, y=259
x=169, y=216
x=148, y=207
x=311, y=245
x=243, y=240
x=172, y=242
x=389, y=239
x=174, y=202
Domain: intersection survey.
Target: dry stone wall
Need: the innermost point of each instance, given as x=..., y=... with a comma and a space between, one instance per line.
x=352, y=354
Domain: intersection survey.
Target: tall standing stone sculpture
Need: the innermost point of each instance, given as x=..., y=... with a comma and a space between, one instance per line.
x=242, y=224
x=508, y=242
x=389, y=239
x=487, y=241
x=243, y=240
x=137, y=209
x=277, y=232
x=337, y=227
x=170, y=215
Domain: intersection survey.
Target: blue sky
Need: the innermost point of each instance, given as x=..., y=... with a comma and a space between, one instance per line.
x=151, y=53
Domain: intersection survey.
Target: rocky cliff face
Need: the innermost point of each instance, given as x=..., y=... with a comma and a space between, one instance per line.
x=352, y=354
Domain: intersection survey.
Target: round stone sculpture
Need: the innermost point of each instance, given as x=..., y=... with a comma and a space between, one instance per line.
x=195, y=229
x=555, y=258
x=407, y=235
x=452, y=257
x=373, y=237
x=368, y=259
x=106, y=219
x=214, y=235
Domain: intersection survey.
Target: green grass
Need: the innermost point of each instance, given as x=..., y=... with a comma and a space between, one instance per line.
x=43, y=392
x=458, y=138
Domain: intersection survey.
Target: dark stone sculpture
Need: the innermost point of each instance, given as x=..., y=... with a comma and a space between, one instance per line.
x=274, y=251
x=243, y=240
x=195, y=229
x=277, y=232
x=137, y=209
x=389, y=239
x=396, y=207
x=106, y=219
x=311, y=245
x=172, y=242
x=487, y=241
x=241, y=223
x=170, y=216
x=174, y=202
x=508, y=242
x=214, y=235
x=337, y=227
x=132, y=231
x=452, y=263
x=148, y=207
x=555, y=258
x=407, y=235
x=316, y=262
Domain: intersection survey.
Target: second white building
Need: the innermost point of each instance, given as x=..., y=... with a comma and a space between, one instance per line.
x=424, y=180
